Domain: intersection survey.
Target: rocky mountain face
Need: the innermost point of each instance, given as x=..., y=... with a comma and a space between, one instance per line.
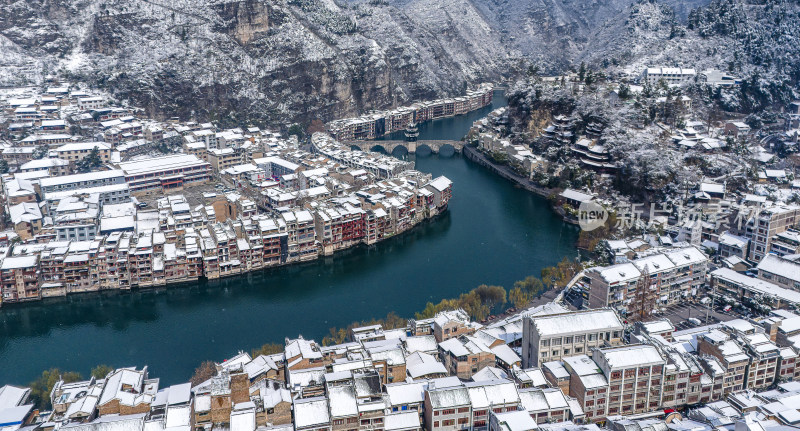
x=269, y=61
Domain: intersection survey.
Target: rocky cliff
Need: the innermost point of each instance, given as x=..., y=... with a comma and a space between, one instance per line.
x=241, y=61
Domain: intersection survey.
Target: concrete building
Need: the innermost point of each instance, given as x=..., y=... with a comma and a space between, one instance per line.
x=782, y=271
x=81, y=181
x=764, y=226
x=635, y=378
x=550, y=338
x=638, y=287
x=77, y=151
x=670, y=75
x=165, y=173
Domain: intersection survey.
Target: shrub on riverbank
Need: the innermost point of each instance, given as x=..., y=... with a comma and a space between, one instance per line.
x=205, y=371
x=101, y=371
x=267, y=349
x=41, y=387
x=479, y=302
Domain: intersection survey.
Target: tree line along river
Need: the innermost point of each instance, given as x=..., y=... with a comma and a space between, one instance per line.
x=494, y=233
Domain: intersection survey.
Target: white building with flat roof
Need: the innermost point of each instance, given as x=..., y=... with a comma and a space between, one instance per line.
x=550, y=338
x=670, y=75
x=81, y=181
x=165, y=173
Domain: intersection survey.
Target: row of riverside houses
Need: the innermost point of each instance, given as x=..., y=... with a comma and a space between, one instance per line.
x=449, y=373
x=377, y=124
x=119, y=246
x=144, y=218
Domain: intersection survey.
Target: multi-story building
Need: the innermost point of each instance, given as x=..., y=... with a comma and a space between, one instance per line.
x=221, y=159
x=764, y=360
x=763, y=228
x=77, y=151
x=787, y=242
x=549, y=338
x=450, y=324
x=670, y=75
x=448, y=406
x=740, y=286
x=127, y=391
x=635, y=376
x=81, y=181
x=782, y=271
x=732, y=360
x=588, y=385
x=166, y=173
x=496, y=396
x=19, y=278
x=545, y=405
x=636, y=288
x=465, y=356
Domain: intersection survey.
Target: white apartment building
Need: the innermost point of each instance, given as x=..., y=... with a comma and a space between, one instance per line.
x=670, y=75
x=549, y=338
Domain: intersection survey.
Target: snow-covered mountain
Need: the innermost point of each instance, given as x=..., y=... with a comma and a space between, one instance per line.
x=276, y=60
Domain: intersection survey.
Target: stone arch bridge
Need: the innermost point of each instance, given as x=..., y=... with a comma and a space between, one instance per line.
x=412, y=147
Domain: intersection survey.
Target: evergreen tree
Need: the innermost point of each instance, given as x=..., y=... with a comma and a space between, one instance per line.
x=624, y=92
x=40, y=152
x=90, y=162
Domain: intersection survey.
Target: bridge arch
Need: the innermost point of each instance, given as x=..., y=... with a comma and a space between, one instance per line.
x=424, y=148
x=400, y=151
x=447, y=149
x=378, y=148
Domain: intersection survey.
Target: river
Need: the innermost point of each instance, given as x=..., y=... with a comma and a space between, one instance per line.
x=494, y=233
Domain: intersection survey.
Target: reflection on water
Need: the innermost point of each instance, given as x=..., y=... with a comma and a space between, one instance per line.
x=494, y=233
